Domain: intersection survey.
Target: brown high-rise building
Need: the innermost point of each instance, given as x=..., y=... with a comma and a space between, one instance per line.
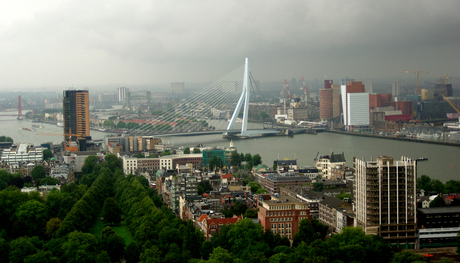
x=76, y=114
x=385, y=199
x=325, y=101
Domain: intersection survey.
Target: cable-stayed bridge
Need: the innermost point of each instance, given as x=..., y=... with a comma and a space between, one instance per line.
x=215, y=108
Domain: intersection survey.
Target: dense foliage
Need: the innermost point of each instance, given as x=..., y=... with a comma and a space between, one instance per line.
x=434, y=185
x=56, y=229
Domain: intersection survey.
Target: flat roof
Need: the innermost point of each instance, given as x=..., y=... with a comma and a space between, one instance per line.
x=437, y=210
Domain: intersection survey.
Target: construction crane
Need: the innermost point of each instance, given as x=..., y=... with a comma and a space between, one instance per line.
x=446, y=77
x=416, y=73
x=451, y=104
x=67, y=136
x=286, y=86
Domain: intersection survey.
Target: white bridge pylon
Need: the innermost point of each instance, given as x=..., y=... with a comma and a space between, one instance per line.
x=244, y=98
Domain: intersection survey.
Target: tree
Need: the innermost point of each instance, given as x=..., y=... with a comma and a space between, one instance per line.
x=256, y=159
x=132, y=253
x=423, y=181
x=251, y=213
x=306, y=233
x=319, y=228
x=111, y=211
x=113, y=244
x=261, y=191
x=343, y=195
x=38, y=173
x=47, y=154
x=140, y=155
x=187, y=150
x=407, y=257
x=438, y=202
x=196, y=150
x=318, y=186
x=33, y=215
x=20, y=248
x=49, y=181
x=41, y=257
x=247, y=157
x=80, y=247
x=255, y=186
x=236, y=160
x=112, y=162
x=220, y=255
x=52, y=226
x=108, y=124
x=121, y=125
x=90, y=162
x=132, y=125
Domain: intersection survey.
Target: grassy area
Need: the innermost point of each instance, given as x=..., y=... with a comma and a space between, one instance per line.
x=121, y=229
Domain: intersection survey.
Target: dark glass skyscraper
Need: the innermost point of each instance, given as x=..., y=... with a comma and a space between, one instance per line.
x=76, y=114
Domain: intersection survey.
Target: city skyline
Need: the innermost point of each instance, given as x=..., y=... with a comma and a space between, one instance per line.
x=74, y=44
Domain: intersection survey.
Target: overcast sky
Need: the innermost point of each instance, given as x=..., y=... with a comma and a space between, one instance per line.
x=88, y=43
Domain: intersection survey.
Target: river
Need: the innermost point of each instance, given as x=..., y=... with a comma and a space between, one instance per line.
x=443, y=161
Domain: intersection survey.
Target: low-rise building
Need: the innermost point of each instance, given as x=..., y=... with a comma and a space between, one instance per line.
x=328, y=212
x=324, y=163
x=274, y=181
x=282, y=214
x=22, y=153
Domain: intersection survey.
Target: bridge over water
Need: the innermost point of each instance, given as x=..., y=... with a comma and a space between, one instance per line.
x=213, y=109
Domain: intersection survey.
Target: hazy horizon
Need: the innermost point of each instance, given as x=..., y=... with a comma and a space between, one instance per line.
x=49, y=45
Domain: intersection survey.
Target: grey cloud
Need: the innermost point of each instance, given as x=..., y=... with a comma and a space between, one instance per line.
x=99, y=42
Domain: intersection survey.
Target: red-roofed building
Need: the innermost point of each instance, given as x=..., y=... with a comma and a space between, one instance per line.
x=206, y=195
x=226, y=176
x=211, y=226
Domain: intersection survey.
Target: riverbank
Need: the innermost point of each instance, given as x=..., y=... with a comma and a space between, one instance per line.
x=407, y=139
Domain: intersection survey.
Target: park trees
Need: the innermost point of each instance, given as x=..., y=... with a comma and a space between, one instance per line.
x=187, y=150
x=306, y=233
x=38, y=173
x=111, y=211
x=33, y=215
x=47, y=154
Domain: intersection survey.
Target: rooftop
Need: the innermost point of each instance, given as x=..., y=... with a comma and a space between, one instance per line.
x=437, y=210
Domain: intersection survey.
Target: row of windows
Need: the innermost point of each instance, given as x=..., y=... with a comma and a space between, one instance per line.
x=280, y=219
x=282, y=213
x=288, y=225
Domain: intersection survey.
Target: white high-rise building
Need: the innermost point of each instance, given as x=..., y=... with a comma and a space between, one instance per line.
x=355, y=107
x=122, y=94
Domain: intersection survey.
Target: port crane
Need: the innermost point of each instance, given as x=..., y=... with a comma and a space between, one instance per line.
x=416, y=73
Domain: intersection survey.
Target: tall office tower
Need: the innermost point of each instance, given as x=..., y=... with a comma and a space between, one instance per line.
x=385, y=199
x=325, y=101
x=368, y=86
x=395, y=91
x=76, y=114
x=336, y=104
x=355, y=105
x=122, y=94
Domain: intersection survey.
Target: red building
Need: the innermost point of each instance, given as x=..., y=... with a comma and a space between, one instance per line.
x=406, y=107
x=211, y=226
x=282, y=214
x=379, y=100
